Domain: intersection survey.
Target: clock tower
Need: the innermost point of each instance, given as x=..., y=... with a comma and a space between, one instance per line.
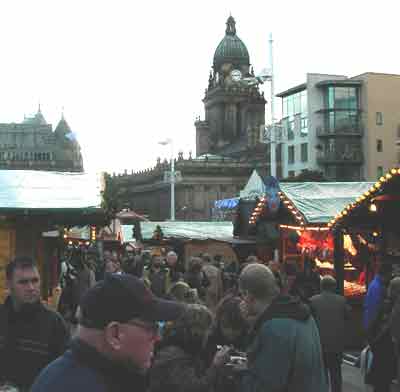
x=234, y=111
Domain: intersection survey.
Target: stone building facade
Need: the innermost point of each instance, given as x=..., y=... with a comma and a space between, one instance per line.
x=227, y=144
x=33, y=145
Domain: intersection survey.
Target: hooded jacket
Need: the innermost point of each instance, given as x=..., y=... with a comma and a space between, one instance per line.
x=285, y=352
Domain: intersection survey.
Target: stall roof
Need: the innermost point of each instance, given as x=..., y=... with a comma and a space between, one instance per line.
x=319, y=202
x=184, y=230
x=48, y=190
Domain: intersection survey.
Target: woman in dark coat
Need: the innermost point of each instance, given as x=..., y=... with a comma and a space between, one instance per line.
x=383, y=368
x=178, y=365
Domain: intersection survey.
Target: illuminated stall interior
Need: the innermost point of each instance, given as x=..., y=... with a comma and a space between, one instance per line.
x=371, y=218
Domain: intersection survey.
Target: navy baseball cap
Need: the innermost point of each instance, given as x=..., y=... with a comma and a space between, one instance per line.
x=123, y=297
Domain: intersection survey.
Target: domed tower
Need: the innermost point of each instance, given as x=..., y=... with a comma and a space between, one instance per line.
x=233, y=110
x=68, y=150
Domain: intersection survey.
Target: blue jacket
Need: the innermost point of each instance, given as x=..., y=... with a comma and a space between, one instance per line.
x=83, y=369
x=285, y=354
x=373, y=300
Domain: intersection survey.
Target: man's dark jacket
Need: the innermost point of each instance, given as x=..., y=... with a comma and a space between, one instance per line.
x=330, y=312
x=83, y=369
x=29, y=340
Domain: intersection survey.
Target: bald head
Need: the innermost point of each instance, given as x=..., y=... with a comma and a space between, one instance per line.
x=259, y=281
x=394, y=288
x=328, y=283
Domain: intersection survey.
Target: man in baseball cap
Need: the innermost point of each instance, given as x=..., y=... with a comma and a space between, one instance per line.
x=118, y=327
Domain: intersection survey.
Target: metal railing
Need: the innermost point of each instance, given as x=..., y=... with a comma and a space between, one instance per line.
x=342, y=130
x=348, y=157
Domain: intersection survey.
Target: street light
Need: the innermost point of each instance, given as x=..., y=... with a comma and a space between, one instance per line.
x=172, y=175
x=269, y=134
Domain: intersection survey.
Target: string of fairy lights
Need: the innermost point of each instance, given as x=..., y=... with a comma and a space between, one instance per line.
x=366, y=198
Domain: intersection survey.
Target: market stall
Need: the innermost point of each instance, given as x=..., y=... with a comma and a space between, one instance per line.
x=372, y=219
x=302, y=219
x=189, y=238
x=34, y=202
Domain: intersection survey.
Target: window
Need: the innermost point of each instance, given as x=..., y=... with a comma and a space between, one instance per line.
x=379, y=172
x=342, y=98
x=291, y=154
x=379, y=145
x=304, y=152
x=379, y=118
x=291, y=173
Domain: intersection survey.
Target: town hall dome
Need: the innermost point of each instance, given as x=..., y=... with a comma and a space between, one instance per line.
x=231, y=49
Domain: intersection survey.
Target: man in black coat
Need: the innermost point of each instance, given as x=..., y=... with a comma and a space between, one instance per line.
x=117, y=331
x=331, y=312
x=31, y=335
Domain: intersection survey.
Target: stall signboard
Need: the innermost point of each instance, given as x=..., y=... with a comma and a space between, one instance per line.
x=272, y=194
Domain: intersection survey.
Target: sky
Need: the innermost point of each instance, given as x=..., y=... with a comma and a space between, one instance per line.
x=128, y=74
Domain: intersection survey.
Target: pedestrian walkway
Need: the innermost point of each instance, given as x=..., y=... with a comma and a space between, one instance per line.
x=353, y=381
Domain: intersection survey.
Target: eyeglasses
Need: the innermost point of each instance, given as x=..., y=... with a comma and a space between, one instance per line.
x=151, y=328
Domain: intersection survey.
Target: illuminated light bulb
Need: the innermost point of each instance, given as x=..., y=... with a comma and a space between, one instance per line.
x=363, y=197
x=382, y=179
x=398, y=171
x=375, y=234
x=373, y=207
x=388, y=176
x=393, y=171
x=290, y=207
x=344, y=212
x=367, y=193
x=358, y=199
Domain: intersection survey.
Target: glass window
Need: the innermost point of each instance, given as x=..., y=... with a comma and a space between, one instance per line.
x=379, y=118
x=342, y=98
x=379, y=172
x=379, y=145
x=304, y=152
x=303, y=98
x=284, y=107
x=304, y=126
x=290, y=154
x=297, y=103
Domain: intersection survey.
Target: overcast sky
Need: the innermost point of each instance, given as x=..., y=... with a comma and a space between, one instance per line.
x=131, y=73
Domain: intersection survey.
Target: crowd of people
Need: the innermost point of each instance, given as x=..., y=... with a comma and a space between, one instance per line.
x=151, y=322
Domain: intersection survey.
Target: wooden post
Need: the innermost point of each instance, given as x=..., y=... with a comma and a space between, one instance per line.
x=338, y=259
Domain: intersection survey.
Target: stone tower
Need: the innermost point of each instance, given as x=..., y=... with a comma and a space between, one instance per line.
x=234, y=111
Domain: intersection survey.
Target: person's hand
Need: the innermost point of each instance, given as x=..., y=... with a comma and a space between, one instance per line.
x=222, y=356
x=247, y=316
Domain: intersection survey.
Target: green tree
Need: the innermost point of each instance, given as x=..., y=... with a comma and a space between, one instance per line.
x=111, y=198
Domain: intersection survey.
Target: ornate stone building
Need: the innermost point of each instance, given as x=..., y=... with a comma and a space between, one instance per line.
x=227, y=144
x=33, y=145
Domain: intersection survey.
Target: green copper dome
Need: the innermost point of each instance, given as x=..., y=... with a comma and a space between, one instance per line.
x=231, y=49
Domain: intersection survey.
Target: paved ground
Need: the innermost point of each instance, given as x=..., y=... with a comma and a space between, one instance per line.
x=352, y=380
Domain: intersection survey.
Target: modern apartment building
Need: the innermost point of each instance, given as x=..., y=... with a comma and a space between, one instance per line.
x=348, y=128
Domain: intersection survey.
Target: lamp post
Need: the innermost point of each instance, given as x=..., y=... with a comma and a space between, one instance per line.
x=172, y=175
x=269, y=133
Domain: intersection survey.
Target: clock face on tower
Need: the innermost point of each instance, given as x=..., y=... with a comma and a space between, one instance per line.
x=236, y=75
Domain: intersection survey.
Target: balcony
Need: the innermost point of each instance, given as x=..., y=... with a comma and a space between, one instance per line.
x=339, y=131
x=340, y=157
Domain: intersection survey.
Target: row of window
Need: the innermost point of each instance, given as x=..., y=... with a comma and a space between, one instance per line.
x=297, y=124
x=303, y=153
x=25, y=156
x=295, y=104
x=342, y=98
